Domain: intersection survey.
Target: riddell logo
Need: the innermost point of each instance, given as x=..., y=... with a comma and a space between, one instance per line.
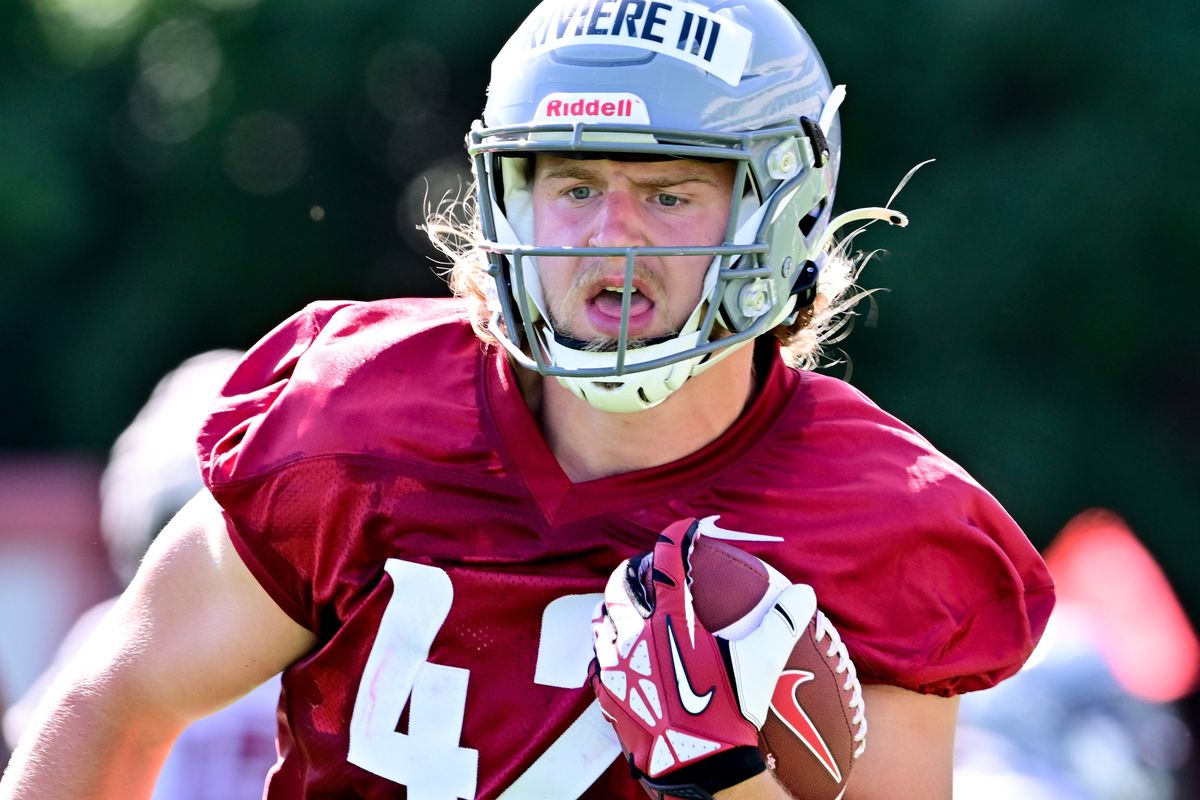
x=589, y=108
x=601, y=107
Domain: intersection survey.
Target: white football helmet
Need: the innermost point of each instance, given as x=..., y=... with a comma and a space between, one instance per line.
x=152, y=469
x=738, y=80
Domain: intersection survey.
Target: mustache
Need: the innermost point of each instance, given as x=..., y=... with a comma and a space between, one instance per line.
x=583, y=287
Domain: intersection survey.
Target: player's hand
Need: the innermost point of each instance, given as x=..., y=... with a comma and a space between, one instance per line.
x=686, y=705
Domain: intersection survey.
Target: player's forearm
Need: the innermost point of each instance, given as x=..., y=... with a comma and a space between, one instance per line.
x=78, y=747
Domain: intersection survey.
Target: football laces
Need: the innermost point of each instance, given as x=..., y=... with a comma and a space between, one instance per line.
x=838, y=648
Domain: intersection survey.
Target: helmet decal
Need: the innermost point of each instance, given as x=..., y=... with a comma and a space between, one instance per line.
x=674, y=28
x=593, y=107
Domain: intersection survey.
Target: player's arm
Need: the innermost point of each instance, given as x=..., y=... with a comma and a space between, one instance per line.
x=908, y=756
x=910, y=748
x=193, y=632
x=761, y=787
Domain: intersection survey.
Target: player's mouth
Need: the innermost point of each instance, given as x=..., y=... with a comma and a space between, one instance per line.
x=604, y=310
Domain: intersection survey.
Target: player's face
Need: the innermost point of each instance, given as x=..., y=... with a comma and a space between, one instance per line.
x=602, y=203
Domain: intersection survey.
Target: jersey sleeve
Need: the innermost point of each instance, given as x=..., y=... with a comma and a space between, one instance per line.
x=986, y=615
x=931, y=583
x=936, y=606
x=245, y=457
x=960, y=596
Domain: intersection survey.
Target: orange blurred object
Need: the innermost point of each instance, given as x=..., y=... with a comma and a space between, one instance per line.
x=1100, y=567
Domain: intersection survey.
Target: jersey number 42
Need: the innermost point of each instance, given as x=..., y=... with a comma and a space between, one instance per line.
x=428, y=760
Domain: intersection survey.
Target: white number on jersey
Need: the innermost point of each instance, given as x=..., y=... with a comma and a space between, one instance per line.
x=428, y=759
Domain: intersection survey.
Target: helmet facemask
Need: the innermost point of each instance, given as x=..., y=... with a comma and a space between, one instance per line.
x=741, y=297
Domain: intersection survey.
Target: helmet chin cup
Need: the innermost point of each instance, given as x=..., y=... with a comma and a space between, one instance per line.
x=636, y=391
x=751, y=89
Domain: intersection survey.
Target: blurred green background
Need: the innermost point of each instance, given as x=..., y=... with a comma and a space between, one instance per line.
x=177, y=175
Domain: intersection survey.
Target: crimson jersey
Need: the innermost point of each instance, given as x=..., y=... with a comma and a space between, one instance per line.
x=387, y=485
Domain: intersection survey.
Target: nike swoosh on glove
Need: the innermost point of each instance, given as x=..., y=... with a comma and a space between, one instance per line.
x=686, y=704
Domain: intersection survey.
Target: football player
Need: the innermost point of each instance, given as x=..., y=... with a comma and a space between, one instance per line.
x=414, y=505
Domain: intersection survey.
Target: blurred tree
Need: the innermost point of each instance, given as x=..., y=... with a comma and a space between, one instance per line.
x=177, y=175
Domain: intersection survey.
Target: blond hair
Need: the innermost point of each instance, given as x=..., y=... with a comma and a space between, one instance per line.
x=454, y=229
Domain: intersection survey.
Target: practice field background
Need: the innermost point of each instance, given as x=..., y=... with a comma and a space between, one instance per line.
x=178, y=175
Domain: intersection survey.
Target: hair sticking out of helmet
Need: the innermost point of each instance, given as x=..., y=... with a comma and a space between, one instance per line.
x=152, y=469
x=734, y=80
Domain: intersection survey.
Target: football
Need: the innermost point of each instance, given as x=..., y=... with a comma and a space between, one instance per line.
x=812, y=733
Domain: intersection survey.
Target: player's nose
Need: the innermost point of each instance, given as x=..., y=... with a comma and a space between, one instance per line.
x=617, y=222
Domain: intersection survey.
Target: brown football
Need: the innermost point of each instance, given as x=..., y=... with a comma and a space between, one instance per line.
x=808, y=737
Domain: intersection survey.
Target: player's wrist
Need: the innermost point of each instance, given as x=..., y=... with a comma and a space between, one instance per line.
x=763, y=786
x=704, y=779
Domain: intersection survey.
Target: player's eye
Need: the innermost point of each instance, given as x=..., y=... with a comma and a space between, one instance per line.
x=669, y=200
x=580, y=192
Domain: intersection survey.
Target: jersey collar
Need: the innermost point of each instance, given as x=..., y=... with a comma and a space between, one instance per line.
x=562, y=500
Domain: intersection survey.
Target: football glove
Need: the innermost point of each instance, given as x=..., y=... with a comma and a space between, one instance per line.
x=686, y=704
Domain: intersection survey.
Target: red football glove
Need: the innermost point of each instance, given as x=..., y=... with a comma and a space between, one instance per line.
x=686, y=705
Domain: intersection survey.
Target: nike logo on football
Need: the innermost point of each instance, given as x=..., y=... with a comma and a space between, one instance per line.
x=787, y=708
x=694, y=703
